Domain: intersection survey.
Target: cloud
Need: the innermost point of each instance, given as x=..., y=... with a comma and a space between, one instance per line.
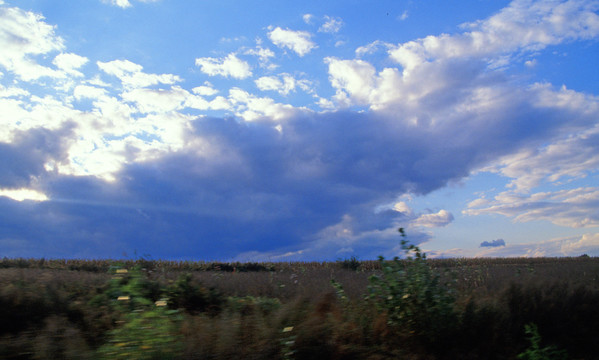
x=157, y=100
x=439, y=219
x=264, y=55
x=69, y=63
x=124, y=4
x=144, y=164
x=89, y=92
x=331, y=25
x=283, y=84
x=563, y=246
x=251, y=107
x=522, y=25
x=308, y=18
x=260, y=189
x=273, y=83
x=205, y=90
x=120, y=3
x=372, y=48
x=569, y=158
x=494, y=243
x=567, y=246
x=282, y=187
x=23, y=36
x=574, y=208
x=24, y=159
x=229, y=66
x=298, y=41
x=585, y=244
x=23, y=194
x=531, y=63
x=132, y=76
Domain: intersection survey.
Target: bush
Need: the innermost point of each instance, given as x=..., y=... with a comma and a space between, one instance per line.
x=149, y=334
x=410, y=294
x=193, y=297
x=535, y=352
x=248, y=305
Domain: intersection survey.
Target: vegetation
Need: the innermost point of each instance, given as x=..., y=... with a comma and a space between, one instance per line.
x=535, y=352
x=407, y=308
x=410, y=294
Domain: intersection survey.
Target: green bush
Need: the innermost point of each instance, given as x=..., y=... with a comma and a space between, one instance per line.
x=248, y=304
x=412, y=296
x=535, y=352
x=131, y=283
x=149, y=334
x=192, y=297
x=351, y=264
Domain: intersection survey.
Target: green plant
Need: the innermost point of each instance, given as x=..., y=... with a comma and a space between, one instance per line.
x=128, y=289
x=535, y=352
x=150, y=334
x=148, y=330
x=411, y=294
x=193, y=297
x=340, y=293
x=248, y=304
x=351, y=264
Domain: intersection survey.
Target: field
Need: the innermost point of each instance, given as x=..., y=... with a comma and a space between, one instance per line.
x=416, y=308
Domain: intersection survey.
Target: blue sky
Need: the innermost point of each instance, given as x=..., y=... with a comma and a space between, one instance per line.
x=304, y=131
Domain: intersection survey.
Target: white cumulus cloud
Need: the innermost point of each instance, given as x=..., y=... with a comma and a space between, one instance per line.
x=69, y=63
x=283, y=84
x=438, y=219
x=230, y=66
x=23, y=36
x=523, y=25
x=298, y=41
x=132, y=76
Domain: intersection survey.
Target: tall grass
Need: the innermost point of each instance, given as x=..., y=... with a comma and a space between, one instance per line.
x=69, y=309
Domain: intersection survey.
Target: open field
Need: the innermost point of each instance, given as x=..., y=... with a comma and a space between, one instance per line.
x=413, y=309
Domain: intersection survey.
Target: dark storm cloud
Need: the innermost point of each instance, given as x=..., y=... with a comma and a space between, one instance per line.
x=26, y=155
x=241, y=187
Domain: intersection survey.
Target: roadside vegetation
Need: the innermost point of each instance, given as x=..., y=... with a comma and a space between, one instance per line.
x=402, y=308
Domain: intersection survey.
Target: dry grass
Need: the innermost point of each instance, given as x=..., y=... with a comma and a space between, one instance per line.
x=50, y=308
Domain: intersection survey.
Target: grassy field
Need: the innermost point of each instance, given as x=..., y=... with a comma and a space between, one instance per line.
x=416, y=308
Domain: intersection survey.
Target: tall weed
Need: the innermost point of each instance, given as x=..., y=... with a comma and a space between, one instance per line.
x=410, y=293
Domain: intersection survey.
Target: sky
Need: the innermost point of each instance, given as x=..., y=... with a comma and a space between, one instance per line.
x=310, y=130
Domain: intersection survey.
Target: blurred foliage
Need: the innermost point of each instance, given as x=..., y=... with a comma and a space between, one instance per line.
x=535, y=352
x=413, y=307
x=146, y=334
x=412, y=297
x=351, y=264
x=193, y=297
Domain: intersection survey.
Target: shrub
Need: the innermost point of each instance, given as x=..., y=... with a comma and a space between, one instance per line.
x=193, y=297
x=150, y=334
x=351, y=264
x=411, y=295
x=535, y=352
x=248, y=304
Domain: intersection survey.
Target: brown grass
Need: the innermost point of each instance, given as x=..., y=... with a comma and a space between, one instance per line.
x=46, y=309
